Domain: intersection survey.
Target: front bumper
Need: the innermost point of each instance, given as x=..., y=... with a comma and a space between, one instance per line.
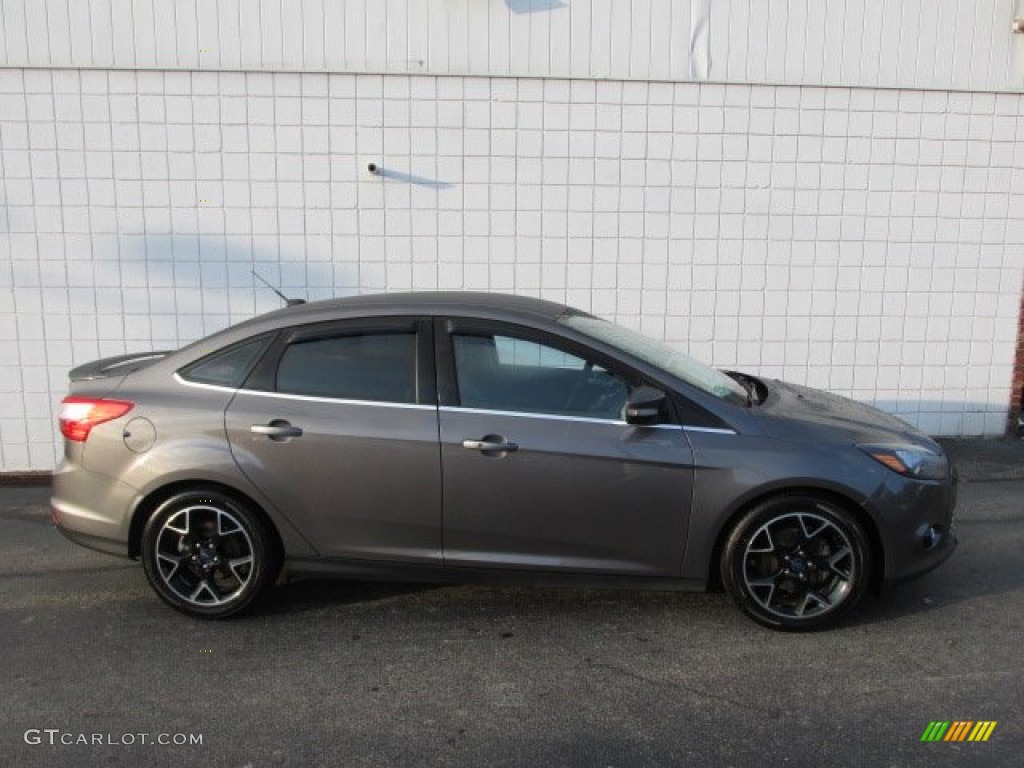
x=922, y=565
x=918, y=532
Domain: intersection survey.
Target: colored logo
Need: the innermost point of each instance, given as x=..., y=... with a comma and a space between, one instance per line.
x=958, y=730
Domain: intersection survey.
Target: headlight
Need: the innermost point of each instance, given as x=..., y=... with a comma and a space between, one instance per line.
x=910, y=460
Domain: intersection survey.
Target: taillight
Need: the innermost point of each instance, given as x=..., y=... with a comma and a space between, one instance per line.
x=78, y=415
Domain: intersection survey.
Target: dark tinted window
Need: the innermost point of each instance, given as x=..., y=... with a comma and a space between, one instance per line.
x=228, y=368
x=372, y=366
x=508, y=374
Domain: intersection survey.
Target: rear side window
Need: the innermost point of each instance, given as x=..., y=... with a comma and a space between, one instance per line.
x=373, y=366
x=228, y=368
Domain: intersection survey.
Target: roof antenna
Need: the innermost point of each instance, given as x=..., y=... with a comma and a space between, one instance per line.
x=288, y=302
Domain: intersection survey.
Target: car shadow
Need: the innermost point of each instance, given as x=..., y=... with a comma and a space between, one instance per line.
x=979, y=569
x=303, y=595
x=468, y=599
x=975, y=572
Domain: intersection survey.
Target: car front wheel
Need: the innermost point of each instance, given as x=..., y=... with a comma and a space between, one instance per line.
x=796, y=562
x=207, y=554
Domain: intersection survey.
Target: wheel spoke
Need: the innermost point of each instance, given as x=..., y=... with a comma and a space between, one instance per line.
x=168, y=560
x=833, y=559
x=810, y=534
x=235, y=563
x=768, y=584
x=799, y=610
x=234, y=526
x=767, y=535
x=823, y=601
x=170, y=526
x=810, y=596
x=204, y=585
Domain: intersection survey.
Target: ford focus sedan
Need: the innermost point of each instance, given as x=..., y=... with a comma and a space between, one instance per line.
x=452, y=437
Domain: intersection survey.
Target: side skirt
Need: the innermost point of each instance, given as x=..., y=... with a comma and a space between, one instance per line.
x=311, y=568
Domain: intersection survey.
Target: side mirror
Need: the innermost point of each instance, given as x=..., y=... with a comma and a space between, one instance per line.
x=645, y=406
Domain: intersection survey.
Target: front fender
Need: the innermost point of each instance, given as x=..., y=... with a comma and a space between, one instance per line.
x=732, y=471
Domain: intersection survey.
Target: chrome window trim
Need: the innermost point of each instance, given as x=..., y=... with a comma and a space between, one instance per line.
x=305, y=398
x=710, y=430
x=532, y=415
x=552, y=417
x=201, y=385
x=583, y=419
x=450, y=408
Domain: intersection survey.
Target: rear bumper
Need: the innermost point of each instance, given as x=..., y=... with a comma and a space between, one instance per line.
x=92, y=509
x=107, y=546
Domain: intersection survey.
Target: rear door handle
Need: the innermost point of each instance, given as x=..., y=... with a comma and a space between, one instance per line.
x=490, y=444
x=276, y=430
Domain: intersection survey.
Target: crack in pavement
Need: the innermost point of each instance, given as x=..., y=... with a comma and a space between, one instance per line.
x=66, y=571
x=763, y=710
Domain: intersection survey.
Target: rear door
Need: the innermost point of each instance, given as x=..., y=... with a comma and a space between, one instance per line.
x=540, y=471
x=337, y=425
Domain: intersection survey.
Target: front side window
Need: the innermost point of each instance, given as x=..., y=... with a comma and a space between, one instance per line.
x=367, y=366
x=503, y=373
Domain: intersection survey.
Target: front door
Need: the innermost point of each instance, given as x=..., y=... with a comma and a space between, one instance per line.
x=540, y=471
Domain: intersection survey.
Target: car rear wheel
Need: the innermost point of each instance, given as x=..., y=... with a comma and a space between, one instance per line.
x=796, y=562
x=207, y=554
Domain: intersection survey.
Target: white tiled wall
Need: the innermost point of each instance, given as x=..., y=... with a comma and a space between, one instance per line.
x=965, y=44
x=865, y=241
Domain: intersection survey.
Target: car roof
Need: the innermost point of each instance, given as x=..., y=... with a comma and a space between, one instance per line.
x=425, y=302
x=488, y=306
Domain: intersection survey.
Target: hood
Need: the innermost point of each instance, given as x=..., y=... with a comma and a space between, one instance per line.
x=793, y=411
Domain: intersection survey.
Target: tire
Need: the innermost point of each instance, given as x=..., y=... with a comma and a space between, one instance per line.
x=208, y=554
x=796, y=562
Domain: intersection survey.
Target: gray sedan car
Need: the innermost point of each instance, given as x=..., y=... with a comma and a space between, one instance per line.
x=458, y=436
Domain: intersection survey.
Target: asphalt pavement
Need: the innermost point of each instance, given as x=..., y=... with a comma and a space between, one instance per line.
x=352, y=674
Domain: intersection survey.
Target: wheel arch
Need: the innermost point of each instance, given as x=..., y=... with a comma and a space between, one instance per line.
x=847, y=502
x=152, y=500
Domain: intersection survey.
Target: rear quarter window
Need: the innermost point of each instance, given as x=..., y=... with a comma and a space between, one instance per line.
x=227, y=368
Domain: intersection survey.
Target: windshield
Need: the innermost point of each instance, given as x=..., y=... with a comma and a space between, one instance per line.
x=659, y=355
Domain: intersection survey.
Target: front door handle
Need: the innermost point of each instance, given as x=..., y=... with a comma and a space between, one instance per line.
x=490, y=444
x=278, y=429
